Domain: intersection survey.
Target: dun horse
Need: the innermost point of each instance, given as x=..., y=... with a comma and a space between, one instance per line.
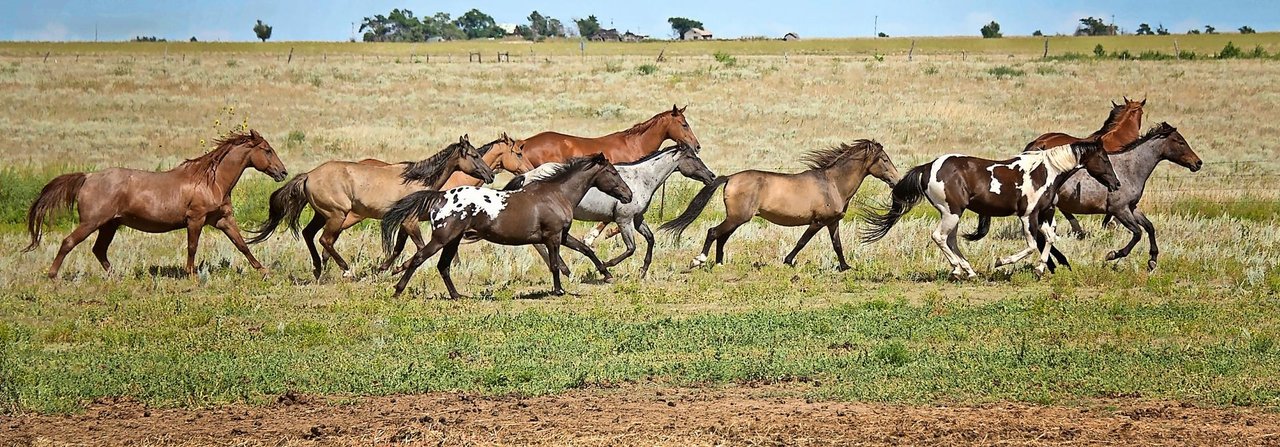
x=643, y=177
x=192, y=195
x=818, y=197
x=1025, y=186
x=1133, y=166
x=344, y=193
x=539, y=213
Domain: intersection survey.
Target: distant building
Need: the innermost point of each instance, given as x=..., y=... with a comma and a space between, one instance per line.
x=791, y=36
x=696, y=34
x=632, y=37
x=606, y=35
x=508, y=28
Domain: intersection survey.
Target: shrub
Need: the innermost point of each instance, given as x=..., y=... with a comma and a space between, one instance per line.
x=647, y=69
x=726, y=59
x=1231, y=51
x=1005, y=72
x=1098, y=51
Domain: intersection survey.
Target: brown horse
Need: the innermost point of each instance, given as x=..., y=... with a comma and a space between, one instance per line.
x=503, y=154
x=1123, y=125
x=344, y=193
x=618, y=147
x=192, y=195
x=539, y=213
x=818, y=197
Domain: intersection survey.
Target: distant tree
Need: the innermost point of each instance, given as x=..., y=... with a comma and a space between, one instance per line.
x=991, y=30
x=1161, y=30
x=538, y=23
x=1144, y=30
x=526, y=32
x=147, y=39
x=587, y=27
x=1093, y=26
x=1193, y=31
x=1209, y=29
x=262, y=30
x=1246, y=30
x=193, y=39
x=681, y=25
x=555, y=28
x=478, y=25
x=883, y=35
x=1037, y=33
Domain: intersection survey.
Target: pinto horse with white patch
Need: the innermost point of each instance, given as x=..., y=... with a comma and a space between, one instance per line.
x=1025, y=186
x=540, y=213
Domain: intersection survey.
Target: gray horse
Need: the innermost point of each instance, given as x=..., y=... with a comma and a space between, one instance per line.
x=1081, y=194
x=643, y=176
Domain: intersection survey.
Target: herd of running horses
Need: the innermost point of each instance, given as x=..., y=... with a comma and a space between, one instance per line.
x=612, y=179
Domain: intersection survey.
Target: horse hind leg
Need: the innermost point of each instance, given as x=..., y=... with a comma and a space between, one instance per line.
x=78, y=235
x=790, y=259
x=954, y=244
x=106, y=234
x=332, y=229
x=309, y=235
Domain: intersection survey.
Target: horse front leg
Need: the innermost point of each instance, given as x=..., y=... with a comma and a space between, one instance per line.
x=1049, y=236
x=228, y=226
x=628, y=238
x=1151, y=234
x=1125, y=217
x=576, y=245
x=194, y=227
x=1028, y=231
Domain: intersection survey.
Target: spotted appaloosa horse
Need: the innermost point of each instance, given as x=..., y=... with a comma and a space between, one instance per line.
x=1025, y=186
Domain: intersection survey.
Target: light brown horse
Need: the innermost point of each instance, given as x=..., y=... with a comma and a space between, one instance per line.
x=344, y=193
x=192, y=195
x=818, y=197
x=503, y=154
x=1123, y=125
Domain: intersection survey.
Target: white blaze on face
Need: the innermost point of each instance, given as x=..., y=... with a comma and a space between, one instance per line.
x=468, y=201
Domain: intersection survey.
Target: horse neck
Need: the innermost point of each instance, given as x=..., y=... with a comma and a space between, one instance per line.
x=229, y=170
x=574, y=187
x=1136, y=165
x=847, y=175
x=651, y=139
x=446, y=171
x=647, y=176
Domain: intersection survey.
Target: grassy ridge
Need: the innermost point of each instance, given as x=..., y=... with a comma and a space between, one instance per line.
x=1203, y=43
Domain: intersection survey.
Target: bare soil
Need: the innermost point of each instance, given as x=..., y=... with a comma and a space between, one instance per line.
x=642, y=415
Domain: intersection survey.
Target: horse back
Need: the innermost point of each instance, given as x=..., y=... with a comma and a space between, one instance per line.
x=1051, y=140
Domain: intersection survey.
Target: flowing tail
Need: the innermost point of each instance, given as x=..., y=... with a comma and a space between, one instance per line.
x=287, y=204
x=59, y=193
x=984, y=225
x=413, y=206
x=699, y=202
x=906, y=194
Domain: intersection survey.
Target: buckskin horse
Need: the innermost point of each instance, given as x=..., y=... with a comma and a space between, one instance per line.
x=539, y=213
x=343, y=193
x=817, y=197
x=1025, y=186
x=1133, y=165
x=193, y=194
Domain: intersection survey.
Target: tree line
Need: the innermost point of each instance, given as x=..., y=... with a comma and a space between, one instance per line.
x=1093, y=26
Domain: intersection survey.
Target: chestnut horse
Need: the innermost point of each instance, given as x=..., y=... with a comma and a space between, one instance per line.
x=539, y=213
x=1123, y=125
x=344, y=193
x=818, y=197
x=1025, y=186
x=192, y=195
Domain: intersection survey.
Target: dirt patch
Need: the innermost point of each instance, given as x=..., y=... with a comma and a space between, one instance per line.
x=636, y=415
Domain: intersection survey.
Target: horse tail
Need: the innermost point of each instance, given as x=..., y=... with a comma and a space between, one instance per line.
x=59, y=193
x=287, y=204
x=906, y=194
x=412, y=206
x=984, y=225
x=699, y=202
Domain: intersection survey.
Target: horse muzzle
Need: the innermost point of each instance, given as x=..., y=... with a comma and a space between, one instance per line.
x=280, y=176
x=1195, y=167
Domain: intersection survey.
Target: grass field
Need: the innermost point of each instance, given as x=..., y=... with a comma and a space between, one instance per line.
x=1202, y=328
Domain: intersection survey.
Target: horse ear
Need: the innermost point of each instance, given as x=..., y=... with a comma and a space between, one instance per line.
x=682, y=109
x=675, y=110
x=1113, y=104
x=254, y=133
x=1144, y=102
x=463, y=138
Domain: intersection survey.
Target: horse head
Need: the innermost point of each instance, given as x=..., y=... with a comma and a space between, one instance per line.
x=677, y=128
x=1097, y=163
x=263, y=157
x=608, y=181
x=879, y=165
x=1177, y=150
x=692, y=167
x=511, y=158
x=468, y=160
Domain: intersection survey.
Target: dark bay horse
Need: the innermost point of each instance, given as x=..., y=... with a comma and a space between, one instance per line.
x=1133, y=164
x=817, y=197
x=539, y=213
x=192, y=195
x=343, y=193
x=1122, y=126
x=1025, y=186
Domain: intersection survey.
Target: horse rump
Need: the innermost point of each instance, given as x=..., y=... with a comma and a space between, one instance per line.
x=59, y=193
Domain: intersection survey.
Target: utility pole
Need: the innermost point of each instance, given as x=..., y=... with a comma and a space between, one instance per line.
x=875, y=27
x=95, y=31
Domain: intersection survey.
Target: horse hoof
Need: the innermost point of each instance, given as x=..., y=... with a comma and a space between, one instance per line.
x=608, y=279
x=1151, y=265
x=1111, y=256
x=842, y=268
x=266, y=273
x=558, y=292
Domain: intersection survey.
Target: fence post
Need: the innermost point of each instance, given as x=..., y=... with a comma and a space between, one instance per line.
x=1177, y=54
x=290, y=56
x=912, y=51
x=1046, y=49
x=46, y=57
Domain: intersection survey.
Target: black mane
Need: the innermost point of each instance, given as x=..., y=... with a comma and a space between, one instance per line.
x=428, y=171
x=652, y=155
x=573, y=165
x=825, y=158
x=1161, y=130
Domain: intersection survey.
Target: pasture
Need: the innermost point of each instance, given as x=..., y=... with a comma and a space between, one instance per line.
x=893, y=332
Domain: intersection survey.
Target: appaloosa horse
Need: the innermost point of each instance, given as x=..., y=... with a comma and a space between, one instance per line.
x=539, y=213
x=817, y=197
x=192, y=195
x=1025, y=186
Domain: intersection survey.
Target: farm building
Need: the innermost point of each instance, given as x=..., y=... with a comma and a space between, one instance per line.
x=696, y=34
x=633, y=37
x=606, y=35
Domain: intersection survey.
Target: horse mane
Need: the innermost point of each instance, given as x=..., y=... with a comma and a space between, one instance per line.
x=644, y=126
x=429, y=170
x=651, y=155
x=1161, y=130
x=1112, y=118
x=571, y=166
x=486, y=148
x=826, y=158
x=208, y=163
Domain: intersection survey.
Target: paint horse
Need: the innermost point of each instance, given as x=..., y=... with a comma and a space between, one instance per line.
x=1025, y=186
x=817, y=197
x=643, y=176
x=540, y=213
x=192, y=195
x=1133, y=165
x=343, y=193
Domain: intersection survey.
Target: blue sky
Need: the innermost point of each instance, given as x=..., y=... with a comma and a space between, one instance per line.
x=232, y=20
